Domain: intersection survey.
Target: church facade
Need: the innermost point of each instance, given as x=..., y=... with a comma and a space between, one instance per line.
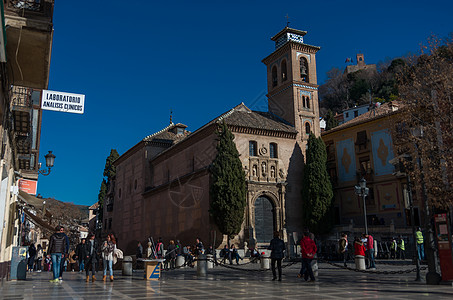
x=161, y=188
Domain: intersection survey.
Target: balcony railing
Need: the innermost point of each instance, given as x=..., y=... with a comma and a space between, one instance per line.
x=29, y=5
x=21, y=97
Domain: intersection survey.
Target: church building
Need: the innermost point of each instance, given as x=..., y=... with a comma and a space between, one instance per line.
x=161, y=188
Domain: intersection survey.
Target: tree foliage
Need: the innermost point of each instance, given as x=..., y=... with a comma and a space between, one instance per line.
x=331, y=122
x=317, y=190
x=227, y=190
x=341, y=91
x=425, y=128
x=109, y=173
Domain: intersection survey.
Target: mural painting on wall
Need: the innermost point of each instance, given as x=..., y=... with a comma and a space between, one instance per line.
x=381, y=142
x=388, y=196
x=346, y=160
x=350, y=203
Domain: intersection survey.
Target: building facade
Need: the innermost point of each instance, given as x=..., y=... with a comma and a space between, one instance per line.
x=25, y=62
x=363, y=148
x=161, y=188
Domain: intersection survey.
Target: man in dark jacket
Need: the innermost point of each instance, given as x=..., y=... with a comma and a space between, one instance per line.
x=277, y=247
x=81, y=254
x=58, y=248
x=91, y=258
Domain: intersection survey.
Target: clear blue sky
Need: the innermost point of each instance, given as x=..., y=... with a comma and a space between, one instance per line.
x=136, y=60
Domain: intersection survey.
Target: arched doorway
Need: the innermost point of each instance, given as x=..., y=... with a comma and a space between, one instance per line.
x=264, y=220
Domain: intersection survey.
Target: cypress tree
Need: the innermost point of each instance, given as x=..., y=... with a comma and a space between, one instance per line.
x=317, y=191
x=109, y=174
x=227, y=190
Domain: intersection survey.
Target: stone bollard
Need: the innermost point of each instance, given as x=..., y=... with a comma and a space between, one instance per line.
x=360, y=262
x=179, y=261
x=202, y=266
x=265, y=262
x=210, y=261
x=127, y=266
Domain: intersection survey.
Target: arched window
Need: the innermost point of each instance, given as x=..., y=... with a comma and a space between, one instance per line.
x=303, y=69
x=284, y=71
x=273, y=151
x=307, y=99
x=274, y=76
x=307, y=128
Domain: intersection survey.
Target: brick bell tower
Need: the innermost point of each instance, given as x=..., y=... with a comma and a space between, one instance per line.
x=292, y=84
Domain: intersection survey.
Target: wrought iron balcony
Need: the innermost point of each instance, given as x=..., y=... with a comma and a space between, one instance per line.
x=30, y=5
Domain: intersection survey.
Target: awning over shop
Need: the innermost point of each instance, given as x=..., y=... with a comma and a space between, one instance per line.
x=37, y=203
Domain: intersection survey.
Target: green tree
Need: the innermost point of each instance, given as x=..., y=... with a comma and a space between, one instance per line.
x=109, y=174
x=331, y=122
x=317, y=191
x=228, y=185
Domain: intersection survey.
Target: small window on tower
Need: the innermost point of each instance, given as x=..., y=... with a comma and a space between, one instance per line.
x=274, y=76
x=307, y=128
x=303, y=69
x=284, y=72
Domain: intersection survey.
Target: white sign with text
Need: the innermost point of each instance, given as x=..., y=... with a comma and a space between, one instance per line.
x=61, y=101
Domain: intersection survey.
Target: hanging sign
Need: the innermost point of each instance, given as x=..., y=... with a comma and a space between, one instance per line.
x=28, y=186
x=61, y=101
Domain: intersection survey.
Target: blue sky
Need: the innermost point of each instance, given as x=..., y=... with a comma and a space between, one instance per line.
x=135, y=61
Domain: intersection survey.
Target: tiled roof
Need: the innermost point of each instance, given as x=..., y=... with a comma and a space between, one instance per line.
x=376, y=113
x=167, y=136
x=242, y=116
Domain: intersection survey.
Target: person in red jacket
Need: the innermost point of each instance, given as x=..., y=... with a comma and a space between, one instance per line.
x=359, y=248
x=308, y=249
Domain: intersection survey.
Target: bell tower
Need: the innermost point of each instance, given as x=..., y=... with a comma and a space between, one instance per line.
x=291, y=82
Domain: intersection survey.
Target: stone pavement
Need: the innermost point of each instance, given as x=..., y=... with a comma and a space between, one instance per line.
x=223, y=283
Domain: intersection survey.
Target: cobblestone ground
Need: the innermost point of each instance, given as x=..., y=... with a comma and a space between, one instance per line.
x=223, y=283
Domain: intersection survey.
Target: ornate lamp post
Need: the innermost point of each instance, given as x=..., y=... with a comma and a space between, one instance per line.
x=362, y=190
x=50, y=159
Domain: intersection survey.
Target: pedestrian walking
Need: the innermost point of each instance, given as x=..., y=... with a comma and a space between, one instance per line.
x=393, y=247
x=370, y=250
x=107, y=250
x=277, y=247
x=420, y=247
x=160, y=248
x=91, y=258
x=31, y=257
x=72, y=260
x=308, y=249
x=401, y=248
x=171, y=254
x=81, y=254
x=58, y=247
x=343, y=247
x=199, y=248
x=39, y=258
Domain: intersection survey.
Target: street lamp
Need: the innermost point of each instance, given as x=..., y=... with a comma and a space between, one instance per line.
x=362, y=191
x=50, y=159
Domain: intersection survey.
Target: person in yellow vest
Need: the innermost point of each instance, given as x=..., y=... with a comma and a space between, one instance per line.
x=393, y=247
x=401, y=248
x=419, y=241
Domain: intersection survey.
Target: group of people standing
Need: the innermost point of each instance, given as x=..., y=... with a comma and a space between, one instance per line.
x=174, y=249
x=308, y=249
x=87, y=253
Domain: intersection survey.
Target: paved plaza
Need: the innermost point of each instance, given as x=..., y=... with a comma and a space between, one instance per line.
x=225, y=283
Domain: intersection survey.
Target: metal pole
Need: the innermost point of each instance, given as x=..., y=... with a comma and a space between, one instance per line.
x=432, y=277
x=364, y=211
x=411, y=205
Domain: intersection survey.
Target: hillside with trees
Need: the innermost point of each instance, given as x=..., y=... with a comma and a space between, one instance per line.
x=342, y=91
